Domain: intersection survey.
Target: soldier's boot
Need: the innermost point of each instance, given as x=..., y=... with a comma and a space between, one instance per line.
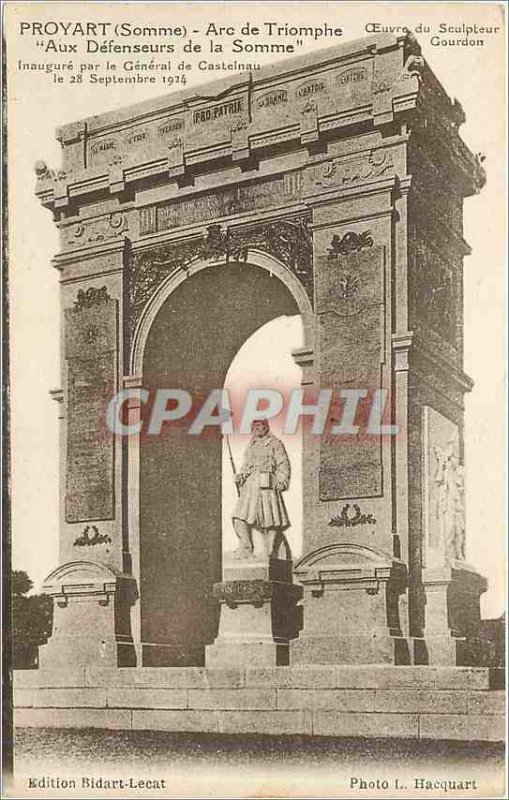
x=245, y=546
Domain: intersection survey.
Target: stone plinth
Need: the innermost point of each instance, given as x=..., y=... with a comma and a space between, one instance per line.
x=259, y=615
x=90, y=625
x=335, y=701
x=351, y=597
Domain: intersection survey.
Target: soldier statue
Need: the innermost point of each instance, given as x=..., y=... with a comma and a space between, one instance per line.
x=264, y=475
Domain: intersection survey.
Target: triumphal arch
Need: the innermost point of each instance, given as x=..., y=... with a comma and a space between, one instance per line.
x=329, y=186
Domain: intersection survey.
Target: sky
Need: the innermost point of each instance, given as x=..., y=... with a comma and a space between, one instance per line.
x=37, y=105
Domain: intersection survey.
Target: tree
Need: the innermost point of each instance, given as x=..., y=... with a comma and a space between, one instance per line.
x=32, y=621
x=20, y=583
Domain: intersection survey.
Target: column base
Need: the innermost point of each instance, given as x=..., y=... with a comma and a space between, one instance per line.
x=453, y=616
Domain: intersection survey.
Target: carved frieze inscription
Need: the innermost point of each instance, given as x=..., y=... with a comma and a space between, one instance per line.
x=135, y=143
x=221, y=203
x=90, y=352
x=350, y=308
x=443, y=490
x=230, y=201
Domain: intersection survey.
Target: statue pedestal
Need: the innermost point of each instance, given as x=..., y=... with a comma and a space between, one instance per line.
x=453, y=615
x=259, y=614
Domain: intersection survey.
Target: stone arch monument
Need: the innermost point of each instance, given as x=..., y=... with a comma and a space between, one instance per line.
x=331, y=186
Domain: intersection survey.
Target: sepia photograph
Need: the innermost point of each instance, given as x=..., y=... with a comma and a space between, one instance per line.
x=255, y=413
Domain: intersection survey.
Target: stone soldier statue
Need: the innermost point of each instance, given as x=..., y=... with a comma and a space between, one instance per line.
x=264, y=475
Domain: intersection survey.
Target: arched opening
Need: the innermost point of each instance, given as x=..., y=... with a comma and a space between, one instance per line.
x=265, y=361
x=191, y=342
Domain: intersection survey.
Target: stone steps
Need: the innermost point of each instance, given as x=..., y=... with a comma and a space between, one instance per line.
x=415, y=702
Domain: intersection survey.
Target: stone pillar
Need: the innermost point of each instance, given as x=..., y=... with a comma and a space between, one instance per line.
x=351, y=570
x=93, y=588
x=131, y=510
x=388, y=250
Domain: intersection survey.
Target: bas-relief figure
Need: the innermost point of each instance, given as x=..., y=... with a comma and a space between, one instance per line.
x=444, y=490
x=450, y=503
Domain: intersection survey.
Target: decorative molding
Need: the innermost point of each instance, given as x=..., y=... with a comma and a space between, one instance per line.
x=308, y=107
x=351, y=242
x=87, y=298
x=95, y=231
x=414, y=65
x=357, y=170
x=345, y=520
x=348, y=287
x=84, y=539
x=290, y=241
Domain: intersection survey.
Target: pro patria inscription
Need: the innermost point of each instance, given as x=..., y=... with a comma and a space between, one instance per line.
x=213, y=113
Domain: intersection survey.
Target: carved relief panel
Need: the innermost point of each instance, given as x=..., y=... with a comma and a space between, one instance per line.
x=350, y=306
x=443, y=491
x=91, y=343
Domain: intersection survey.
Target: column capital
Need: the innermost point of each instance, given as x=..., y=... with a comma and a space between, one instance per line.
x=401, y=344
x=132, y=382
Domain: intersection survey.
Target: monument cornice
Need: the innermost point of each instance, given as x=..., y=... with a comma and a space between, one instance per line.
x=343, y=53
x=305, y=185
x=88, y=253
x=410, y=345
x=384, y=186
x=59, y=189
x=235, y=120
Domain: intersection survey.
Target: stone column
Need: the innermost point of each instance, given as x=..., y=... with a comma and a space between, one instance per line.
x=352, y=571
x=131, y=507
x=93, y=587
